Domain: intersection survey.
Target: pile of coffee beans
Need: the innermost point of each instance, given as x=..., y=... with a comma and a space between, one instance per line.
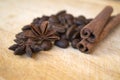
x=67, y=28
x=61, y=29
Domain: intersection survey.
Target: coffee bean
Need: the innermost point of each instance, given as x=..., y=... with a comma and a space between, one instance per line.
x=63, y=36
x=79, y=27
x=27, y=27
x=69, y=19
x=61, y=13
x=36, y=48
x=44, y=18
x=46, y=45
x=88, y=20
x=62, y=19
x=53, y=19
x=74, y=43
x=59, y=28
x=81, y=20
x=36, y=20
x=62, y=43
x=76, y=35
x=70, y=31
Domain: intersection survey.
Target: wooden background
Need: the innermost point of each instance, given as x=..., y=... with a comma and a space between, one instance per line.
x=57, y=64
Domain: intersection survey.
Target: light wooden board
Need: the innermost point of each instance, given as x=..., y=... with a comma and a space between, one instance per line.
x=57, y=64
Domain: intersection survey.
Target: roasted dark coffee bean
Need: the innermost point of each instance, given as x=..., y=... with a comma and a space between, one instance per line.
x=44, y=18
x=27, y=27
x=35, y=48
x=76, y=35
x=88, y=20
x=62, y=43
x=46, y=45
x=70, y=31
x=72, y=36
x=58, y=28
x=37, y=21
x=13, y=47
x=74, y=43
x=62, y=19
x=63, y=36
x=53, y=19
x=61, y=12
x=69, y=19
x=79, y=27
x=73, y=32
x=81, y=20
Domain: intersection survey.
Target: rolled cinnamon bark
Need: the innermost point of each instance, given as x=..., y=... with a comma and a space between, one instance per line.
x=114, y=22
x=82, y=45
x=87, y=47
x=94, y=28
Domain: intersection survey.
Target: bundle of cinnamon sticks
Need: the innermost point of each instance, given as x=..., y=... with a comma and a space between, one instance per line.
x=97, y=29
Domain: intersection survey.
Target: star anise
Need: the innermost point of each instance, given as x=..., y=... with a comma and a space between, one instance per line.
x=25, y=47
x=41, y=32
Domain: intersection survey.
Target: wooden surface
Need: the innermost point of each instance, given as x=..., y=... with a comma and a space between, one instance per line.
x=57, y=64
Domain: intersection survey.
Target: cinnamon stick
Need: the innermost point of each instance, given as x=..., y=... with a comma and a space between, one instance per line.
x=92, y=30
x=87, y=47
x=114, y=22
x=82, y=45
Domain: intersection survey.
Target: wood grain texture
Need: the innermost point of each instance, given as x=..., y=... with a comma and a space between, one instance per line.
x=57, y=64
